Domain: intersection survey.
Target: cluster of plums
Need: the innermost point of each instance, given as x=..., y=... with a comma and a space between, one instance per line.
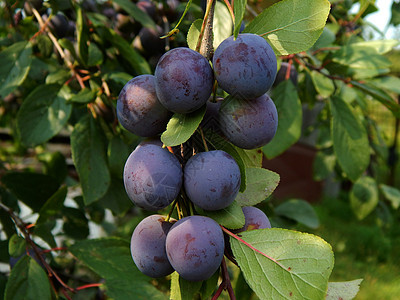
x=154, y=177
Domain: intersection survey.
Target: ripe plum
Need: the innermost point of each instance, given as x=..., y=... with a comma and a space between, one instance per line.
x=138, y=108
x=148, y=246
x=212, y=179
x=152, y=177
x=184, y=80
x=195, y=247
x=249, y=124
x=245, y=67
x=254, y=219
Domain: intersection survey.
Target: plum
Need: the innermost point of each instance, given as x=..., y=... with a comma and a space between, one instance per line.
x=249, y=124
x=281, y=75
x=255, y=218
x=212, y=179
x=184, y=80
x=245, y=67
x=195, y=247
x=152, y=177
x=138, y=108
x=148, y=246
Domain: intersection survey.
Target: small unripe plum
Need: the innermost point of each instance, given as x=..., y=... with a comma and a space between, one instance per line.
x=212, y=179
x=249, y=124
x=152, y=177
x=184, y=80
x=148, y=246
x=245, y=67
x=195, y=247
x=281, y=75
x=254, y=219
x=138, y=108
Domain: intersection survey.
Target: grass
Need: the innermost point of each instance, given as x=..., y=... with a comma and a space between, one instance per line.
x=362, y=250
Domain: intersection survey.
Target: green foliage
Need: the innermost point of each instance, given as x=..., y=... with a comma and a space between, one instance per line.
x=62, y=159
x=181, y=127
x=27, y=281
x=298, y=264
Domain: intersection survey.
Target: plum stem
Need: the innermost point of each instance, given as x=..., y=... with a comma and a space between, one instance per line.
x=251, y=247
x=203, y=139
x=225, y=284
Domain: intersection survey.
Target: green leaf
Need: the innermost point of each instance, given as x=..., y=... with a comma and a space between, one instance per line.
x=194, y=33
x=52, y=206
x=260, y=184
x=343, y=290
x=75, y=225
x=323, y=85
x=182, y=289
x=136, y=13
x=182, y=126
x=364, y=196
x=238, y=10
x=395, y=19
x=95, y=56
x=117, y=154
x=67, y=44
x=42, y=115
x=88, y=147
x=208, y=287
x=16, y=246
x=379, y=95
x=298, y=268
x=362, y=61
x=379, y=46
x=323, y=165
x=300, y=211
x=82, y=36
x=389, y=83
x=222, y=27
x=125, y=288
x=15, y=62
x=116, y=198
x=290, y=118
x=230, y=217
x=111, y=259
x=350, y=140
x=84, y=96
x=31, y=188
x=54, y=165
x=138, y=63
x=392, y=194
x=291, y=26
x=251, y=158
x=27, y=281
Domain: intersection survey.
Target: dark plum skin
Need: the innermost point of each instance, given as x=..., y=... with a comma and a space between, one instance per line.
x=195, y=247
x=245, y=67
x=148, y=246
x=184, y=80
x=152, y=177
x=281, y=75
x=254, y=219
x=211, y=117
x=212, y=179
x=138, y=108
x=249, y=124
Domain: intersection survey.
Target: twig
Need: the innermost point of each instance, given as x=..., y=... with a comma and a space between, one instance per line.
x=251, y=247
x=225, y=284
